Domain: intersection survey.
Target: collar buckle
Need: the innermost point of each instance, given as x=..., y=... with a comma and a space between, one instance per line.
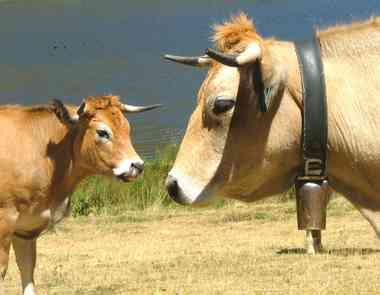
x=313, y=167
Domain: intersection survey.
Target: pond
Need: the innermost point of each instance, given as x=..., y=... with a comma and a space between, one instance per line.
x=69, y=49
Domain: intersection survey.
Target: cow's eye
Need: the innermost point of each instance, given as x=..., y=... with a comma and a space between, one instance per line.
x=104, y=134
x=223, y=105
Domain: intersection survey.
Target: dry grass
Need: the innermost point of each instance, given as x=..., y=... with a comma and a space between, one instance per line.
x=234, y=250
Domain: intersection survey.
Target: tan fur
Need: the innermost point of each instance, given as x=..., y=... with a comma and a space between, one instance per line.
x=234, y=34
x=358, y=26
x=246, y=155
x=42, y=159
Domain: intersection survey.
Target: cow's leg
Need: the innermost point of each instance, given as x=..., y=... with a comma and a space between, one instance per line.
x=373, y=217
x=313, y=241
x=5, y=243
x=25, y=251
x=8, y=218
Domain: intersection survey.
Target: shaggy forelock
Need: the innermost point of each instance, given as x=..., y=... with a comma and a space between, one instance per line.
x=235, y=33
x=102, y=102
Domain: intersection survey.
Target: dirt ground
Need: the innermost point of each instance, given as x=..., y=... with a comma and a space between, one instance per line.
x=242, y=249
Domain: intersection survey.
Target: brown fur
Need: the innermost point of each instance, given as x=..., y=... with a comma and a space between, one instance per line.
x=42, y=160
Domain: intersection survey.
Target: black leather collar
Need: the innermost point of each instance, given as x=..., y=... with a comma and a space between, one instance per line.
x=314, y=130
x=28, y=235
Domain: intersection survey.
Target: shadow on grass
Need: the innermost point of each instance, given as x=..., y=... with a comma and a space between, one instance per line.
x=336, y=252
x=291, y=251
x=351, y=251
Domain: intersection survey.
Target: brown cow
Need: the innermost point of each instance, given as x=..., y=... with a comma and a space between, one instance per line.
x=234, y=150
x=45, y=151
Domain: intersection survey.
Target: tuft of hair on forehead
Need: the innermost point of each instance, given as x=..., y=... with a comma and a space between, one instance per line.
x=235, y=34
x=102, y=102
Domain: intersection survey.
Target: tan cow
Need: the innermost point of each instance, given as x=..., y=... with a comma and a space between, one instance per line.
x=233, y=150
x=45, y=151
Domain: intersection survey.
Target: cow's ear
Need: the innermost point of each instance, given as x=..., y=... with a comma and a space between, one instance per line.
x=269, y=77
x=85, y=110
x=63, y=113
x=82, y=108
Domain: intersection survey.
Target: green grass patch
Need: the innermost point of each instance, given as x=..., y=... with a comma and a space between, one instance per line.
x=339, y=206
x=100, y=195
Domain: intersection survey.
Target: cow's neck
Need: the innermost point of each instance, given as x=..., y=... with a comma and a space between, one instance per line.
x=352, y=76
x=58, y=143
x=351, y=43
x=353, y=85
x=350, y=57
x=65, y=176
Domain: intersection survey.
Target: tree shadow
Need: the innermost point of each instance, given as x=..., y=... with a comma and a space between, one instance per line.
x=335, y=252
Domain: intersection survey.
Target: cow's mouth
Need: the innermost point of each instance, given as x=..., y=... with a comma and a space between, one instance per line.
x=126, y=177
x=134, y=171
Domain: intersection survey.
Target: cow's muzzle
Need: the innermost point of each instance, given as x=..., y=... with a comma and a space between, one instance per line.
x=135, y=169
x=174, y=190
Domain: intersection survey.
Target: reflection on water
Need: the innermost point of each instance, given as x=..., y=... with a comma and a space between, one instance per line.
x=69, y=49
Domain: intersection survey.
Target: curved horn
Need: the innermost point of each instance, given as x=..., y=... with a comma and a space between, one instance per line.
x=226, y=59
x=248, y=56
x=138, y=109
x=195, y=61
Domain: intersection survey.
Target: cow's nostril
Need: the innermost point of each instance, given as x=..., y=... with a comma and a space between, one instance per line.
x=172, y=187
x=139, y=166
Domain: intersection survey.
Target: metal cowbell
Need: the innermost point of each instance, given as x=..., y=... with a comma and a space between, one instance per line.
x=312, y=198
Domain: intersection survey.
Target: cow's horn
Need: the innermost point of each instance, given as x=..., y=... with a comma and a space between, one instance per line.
x=248, y=56
x=138, y=109
x=63, y=113
x=195, y=61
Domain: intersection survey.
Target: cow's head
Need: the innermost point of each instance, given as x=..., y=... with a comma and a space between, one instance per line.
x=101, y=132
x=242, y=140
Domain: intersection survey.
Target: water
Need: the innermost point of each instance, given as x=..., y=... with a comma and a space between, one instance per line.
x=69, y=49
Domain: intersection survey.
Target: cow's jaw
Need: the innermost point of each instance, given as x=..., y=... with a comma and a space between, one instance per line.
x=190, y=191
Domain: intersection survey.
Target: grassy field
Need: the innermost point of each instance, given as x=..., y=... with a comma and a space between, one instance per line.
x=238, y=249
